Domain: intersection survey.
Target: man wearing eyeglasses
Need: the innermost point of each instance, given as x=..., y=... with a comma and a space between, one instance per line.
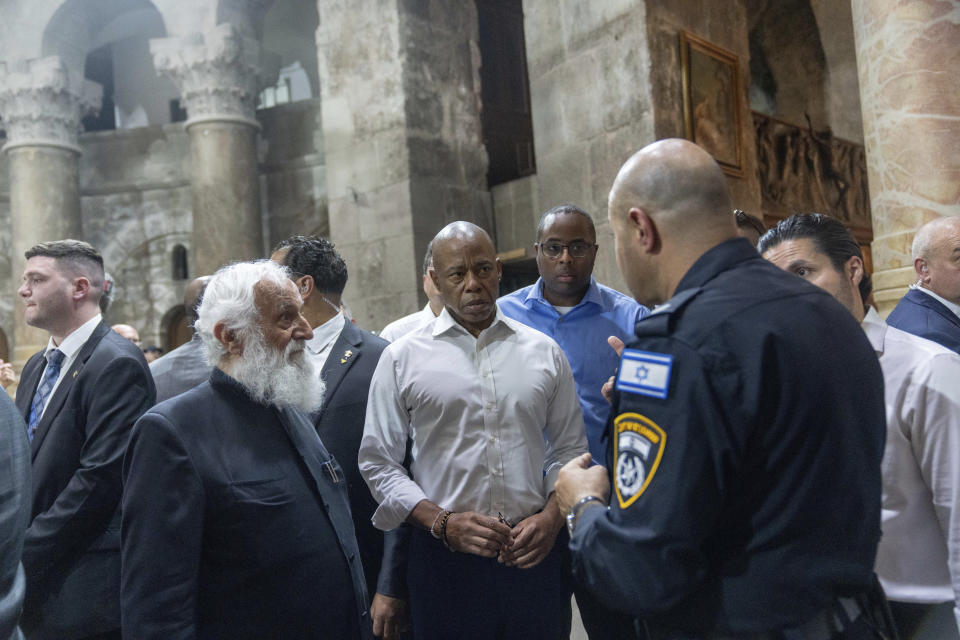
x=568, y=305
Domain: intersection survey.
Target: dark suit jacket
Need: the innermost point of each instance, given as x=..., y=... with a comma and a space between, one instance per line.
x=72, y=550
x=925, y=316
x=236, y=525
x=339, y=422
x=14, y=512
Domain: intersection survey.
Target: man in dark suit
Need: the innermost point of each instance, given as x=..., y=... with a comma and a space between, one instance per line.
x=236, y=522
x=80, y=396
x=14, y=514
x=931, y=308
x=186, y=366
x=347, y=357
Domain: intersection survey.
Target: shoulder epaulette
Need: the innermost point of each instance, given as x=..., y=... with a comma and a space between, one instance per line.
x=657, y=322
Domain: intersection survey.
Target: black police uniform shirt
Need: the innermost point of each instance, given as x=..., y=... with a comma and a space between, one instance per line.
x=747, y=433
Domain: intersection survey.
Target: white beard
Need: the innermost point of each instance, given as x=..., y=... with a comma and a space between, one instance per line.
x=287, y=378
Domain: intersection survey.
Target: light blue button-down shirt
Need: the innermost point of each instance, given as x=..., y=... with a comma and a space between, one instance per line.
x=582, y=334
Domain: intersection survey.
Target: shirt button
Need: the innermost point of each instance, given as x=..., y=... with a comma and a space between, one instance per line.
x=491, y=406
x=493, y=438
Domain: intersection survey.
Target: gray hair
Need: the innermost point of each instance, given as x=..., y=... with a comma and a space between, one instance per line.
x=925, y=240
x=228, y=298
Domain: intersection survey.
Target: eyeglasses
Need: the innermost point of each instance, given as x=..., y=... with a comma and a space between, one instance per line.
x=554, y=250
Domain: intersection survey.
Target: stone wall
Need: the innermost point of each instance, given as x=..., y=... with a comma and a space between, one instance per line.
x=393, y=149
x=136, y=206
x=401, y=128
x=723, y=23
x=605, y=80
x=361, y=82
x=907, y=64
x=8, y=300
x=516, y=206
x=835, y=22
x=448, y=162
x=785, y=39
x=589, y=68
x=293, y=173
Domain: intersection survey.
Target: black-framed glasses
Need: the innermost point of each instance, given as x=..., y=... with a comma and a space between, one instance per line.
x=554, y=250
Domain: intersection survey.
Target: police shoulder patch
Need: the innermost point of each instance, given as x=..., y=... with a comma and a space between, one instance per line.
x=637, y=448
x=644, y=372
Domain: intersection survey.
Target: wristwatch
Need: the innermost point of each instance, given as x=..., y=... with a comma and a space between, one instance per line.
x=577, y=508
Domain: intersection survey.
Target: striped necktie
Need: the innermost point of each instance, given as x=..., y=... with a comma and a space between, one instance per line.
x=44, y=389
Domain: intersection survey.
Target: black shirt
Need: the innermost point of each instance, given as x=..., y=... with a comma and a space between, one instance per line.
x=236, y=525
x=746, y=435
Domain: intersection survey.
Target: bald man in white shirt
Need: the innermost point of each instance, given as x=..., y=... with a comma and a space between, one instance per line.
x=491, y=410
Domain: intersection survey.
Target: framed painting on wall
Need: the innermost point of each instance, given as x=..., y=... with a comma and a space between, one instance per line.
x=711, y=100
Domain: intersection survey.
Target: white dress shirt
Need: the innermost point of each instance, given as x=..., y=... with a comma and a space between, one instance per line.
x=919, y=555
x=324, y=337
x=70, y=347
x=954, y=307
x=406, y=324
x=492, y=419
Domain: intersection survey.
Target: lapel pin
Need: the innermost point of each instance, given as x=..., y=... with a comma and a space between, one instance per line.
x=75, y=372
x=346, y=356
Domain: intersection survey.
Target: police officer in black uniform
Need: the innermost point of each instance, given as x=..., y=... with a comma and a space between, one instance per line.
x=747, y=429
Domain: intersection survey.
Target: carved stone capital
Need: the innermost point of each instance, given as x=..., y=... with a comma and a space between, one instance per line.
x=216, y=72
x=42, y=103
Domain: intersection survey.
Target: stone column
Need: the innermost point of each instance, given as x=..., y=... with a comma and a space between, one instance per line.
x=217, y=73
x=402, y=140
x=911, y=124
x=41, y=104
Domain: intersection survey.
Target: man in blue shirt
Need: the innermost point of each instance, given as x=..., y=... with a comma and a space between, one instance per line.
x=568, y=305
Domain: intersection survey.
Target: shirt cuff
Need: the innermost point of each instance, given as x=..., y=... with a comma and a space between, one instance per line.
x=587, y=515
x=394, y=509
x=550, y=479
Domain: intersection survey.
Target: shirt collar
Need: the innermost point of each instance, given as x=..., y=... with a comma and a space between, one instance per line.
x=326, y=333
x=717, y=260
x=955, y=308
x=875, y=328
x=73, y=342
x=445, y=322
x=592, y=295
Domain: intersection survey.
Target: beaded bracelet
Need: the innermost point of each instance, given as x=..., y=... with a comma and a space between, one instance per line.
x=443, y=529
x=440, y=513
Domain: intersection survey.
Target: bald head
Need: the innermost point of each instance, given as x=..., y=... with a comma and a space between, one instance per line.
x=457, y=234
x=193, y=296
x=931, y=236
x=936, y=257
x=466, y=272
x=668, y=206
x=673, y=179
x=128, y=332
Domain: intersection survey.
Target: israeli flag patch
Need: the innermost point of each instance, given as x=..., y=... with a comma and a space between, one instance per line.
x=644, y=372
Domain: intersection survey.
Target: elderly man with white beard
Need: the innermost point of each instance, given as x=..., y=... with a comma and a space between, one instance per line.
x=236, y=522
